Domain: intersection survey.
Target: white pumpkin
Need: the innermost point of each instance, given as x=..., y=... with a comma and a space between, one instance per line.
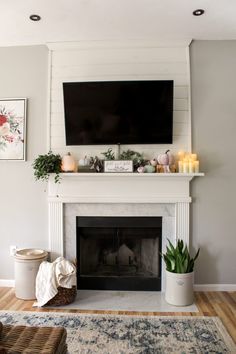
x=68, y=163
x=165, y=159
x=153, y=162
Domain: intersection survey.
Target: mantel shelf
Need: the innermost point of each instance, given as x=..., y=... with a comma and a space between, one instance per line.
x=131, y=175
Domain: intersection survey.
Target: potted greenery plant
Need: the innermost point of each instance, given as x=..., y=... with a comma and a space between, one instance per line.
x=45, y=164
x=179, y=274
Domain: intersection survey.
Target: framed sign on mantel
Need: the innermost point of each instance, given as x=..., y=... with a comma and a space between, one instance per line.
x=119, y=166
x=13, y=129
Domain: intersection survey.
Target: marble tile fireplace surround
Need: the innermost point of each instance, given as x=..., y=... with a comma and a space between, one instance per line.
x=91, y=194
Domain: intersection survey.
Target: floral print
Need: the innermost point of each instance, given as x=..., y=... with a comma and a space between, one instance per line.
x=10, y=128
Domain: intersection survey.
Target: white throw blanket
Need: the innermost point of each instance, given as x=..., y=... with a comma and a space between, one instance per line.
x=52, y=275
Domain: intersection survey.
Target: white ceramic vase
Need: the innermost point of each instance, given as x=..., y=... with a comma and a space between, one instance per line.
x=179, y=288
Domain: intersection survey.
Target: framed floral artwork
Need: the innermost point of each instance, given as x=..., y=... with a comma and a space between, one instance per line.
x=13, y=129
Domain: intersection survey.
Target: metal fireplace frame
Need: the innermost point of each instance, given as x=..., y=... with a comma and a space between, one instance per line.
x=130, y=283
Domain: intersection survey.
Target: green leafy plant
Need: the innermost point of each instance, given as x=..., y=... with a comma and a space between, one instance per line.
x=135, y=156
x=45, y=164
x=109, y=154
x=177, y=259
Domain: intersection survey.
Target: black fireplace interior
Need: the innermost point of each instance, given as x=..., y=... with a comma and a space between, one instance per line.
x=119, y=253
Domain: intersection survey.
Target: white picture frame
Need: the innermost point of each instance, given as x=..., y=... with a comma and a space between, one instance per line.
x=118, y=166
x=13, y=129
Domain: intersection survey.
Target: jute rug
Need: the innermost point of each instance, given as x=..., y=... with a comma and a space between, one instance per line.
x=111, y=334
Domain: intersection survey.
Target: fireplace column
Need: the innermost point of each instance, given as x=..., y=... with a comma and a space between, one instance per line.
x=182, y=221
x=56, y=239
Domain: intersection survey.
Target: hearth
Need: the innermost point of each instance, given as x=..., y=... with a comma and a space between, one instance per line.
x=119, y=253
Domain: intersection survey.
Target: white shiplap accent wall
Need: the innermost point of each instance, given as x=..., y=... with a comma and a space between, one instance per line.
x=130, y=60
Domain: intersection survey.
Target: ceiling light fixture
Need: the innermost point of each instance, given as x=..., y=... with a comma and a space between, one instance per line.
x=198, y=12
x=35, y=17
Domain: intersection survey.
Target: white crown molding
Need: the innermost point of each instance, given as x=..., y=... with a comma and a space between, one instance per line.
x=131, y=43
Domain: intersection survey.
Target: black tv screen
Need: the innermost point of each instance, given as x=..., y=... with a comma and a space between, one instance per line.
x=118, y=112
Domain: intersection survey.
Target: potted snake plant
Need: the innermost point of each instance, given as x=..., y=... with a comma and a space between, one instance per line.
x=179, y=274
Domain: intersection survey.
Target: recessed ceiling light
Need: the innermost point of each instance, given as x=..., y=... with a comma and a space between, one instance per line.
x=198, y=12
x=35, y=17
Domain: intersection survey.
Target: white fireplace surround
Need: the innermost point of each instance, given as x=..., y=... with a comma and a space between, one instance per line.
x=117, y=194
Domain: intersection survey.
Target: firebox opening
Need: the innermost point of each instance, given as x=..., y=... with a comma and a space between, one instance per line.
x=119, y=253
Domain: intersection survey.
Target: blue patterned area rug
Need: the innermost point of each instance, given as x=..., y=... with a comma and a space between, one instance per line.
x=113, y=334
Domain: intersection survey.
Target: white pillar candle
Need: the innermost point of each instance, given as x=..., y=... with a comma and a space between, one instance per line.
x=193, y=157
x=191, y=167
x=180, y=166
x=185, y=167
x=181, y=155
x=196, y=166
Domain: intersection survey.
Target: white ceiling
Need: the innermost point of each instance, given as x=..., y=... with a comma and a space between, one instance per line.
x=79, y=20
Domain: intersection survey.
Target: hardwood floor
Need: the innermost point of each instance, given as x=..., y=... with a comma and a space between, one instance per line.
x=221, y=304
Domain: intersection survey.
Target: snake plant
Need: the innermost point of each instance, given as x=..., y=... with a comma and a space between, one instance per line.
x=177, y=259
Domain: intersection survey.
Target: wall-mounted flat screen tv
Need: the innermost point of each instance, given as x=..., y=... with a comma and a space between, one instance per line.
x=118, y=112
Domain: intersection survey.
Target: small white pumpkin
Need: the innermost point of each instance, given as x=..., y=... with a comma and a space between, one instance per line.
x=153, y=162
x=84, y=161
x=141, y=169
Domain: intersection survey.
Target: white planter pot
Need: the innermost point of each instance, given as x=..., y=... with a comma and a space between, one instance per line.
x=179, y=288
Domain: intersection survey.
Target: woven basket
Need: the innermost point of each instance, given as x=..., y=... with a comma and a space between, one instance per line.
x=33, y=340
x=64, y=297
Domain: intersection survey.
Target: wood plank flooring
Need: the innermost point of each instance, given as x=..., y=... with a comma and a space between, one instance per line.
x=221, y=304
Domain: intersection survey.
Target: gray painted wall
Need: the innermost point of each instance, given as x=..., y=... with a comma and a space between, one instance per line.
x=213, y=76
x=23, y=203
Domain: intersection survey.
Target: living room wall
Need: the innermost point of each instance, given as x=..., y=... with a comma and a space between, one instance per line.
x=23, y=203
x=213, y=76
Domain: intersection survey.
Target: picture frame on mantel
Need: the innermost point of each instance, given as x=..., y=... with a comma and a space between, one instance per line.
x=13, y=129
x=118, y=166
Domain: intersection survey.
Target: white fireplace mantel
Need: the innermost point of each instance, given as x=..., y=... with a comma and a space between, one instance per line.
x=121, y=188
x=118, y=188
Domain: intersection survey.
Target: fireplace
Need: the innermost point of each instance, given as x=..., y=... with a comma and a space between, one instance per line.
x=165, y=195
x=119, y=253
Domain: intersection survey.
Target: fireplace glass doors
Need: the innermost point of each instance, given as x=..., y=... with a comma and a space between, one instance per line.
x=119, y=253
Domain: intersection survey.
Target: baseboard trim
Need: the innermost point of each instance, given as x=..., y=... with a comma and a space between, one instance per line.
x=8, y=283
x=214, y=287
x=197, y=287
